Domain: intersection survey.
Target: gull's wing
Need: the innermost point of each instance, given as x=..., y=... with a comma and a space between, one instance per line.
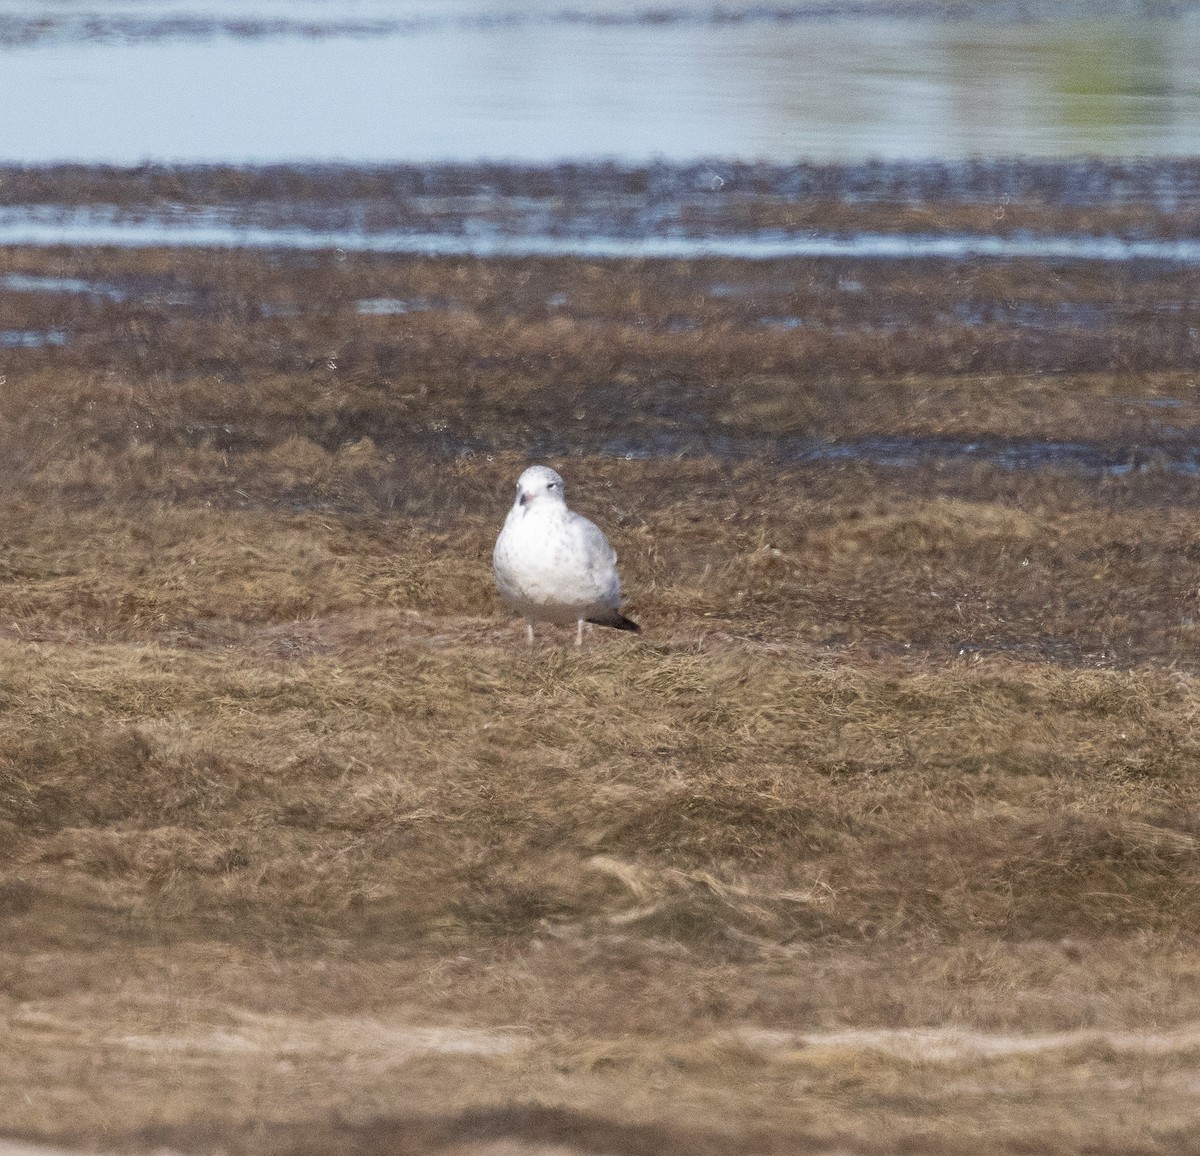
x=600, y=559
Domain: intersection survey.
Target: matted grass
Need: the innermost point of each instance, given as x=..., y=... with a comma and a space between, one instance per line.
x=882, y=838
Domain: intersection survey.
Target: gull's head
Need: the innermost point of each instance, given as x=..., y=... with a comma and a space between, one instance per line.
x=539, y=486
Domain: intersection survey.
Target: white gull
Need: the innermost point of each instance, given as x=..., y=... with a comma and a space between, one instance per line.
x=553, y=565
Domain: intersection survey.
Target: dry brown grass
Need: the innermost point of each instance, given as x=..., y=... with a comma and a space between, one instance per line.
x=301, y=851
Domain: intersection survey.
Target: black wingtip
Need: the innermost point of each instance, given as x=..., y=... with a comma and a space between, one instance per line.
x=617, y=622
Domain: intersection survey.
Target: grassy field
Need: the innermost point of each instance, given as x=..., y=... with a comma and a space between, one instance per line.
x=882, y=838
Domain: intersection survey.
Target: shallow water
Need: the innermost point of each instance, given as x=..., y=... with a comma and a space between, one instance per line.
x=31, y=338
x=541, y=82
x=395, y=307
x=27, y=283
x=70, y=226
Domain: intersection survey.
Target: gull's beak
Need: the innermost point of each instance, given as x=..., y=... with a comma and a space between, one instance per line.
x=522, y=497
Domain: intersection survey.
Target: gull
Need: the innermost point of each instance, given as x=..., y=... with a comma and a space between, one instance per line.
x=553, y=565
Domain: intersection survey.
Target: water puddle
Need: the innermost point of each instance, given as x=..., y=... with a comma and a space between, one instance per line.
x=100, y=290
x=36, y=283
x=1152, y=402
x=42, y=226
x=394, y=306
x=31, y=338
x=1042, y=315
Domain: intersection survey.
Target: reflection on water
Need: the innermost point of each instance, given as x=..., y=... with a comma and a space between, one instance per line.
x=541, y=83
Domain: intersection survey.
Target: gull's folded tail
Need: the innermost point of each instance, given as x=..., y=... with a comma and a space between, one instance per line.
x=617, y=621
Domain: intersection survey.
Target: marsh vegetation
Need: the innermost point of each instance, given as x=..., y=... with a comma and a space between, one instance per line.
x=883, y=837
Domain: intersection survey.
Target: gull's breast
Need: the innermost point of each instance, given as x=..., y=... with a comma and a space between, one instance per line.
x=542, y=568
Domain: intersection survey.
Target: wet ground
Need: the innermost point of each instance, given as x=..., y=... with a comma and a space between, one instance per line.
x=1056, y=356
x=880, y=838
